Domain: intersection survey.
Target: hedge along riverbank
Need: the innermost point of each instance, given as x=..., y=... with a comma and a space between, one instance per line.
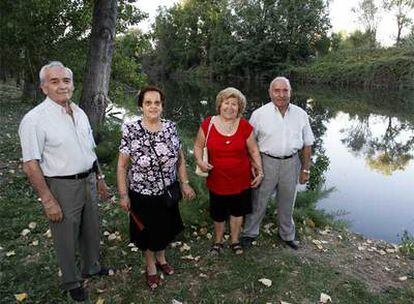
x=379, y=68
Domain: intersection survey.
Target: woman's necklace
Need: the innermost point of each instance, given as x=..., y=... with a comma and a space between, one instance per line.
x=228, y=129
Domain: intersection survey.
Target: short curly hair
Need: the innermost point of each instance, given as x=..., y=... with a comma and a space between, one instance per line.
x=231, y=92
x=146, y=89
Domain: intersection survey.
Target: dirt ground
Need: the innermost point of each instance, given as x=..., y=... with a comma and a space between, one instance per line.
x=377, y=263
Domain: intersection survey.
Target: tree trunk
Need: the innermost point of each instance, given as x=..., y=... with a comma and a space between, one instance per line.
x=94, y=98
x=30, y=90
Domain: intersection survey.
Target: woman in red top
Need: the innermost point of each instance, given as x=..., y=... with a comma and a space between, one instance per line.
x=234, y=165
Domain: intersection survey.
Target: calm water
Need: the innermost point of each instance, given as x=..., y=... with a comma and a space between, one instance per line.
x=367, y=138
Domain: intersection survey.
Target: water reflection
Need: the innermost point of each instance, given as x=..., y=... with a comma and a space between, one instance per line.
x=369, y=142
x=364, y=146
x=385, y=142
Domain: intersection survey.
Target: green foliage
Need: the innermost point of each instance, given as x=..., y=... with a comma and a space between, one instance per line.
x=235, y=37
x=367, y=12
x=389, y=68
x=127, y=74
x=358, y=39
x=37, y=31
x=407, y=244
x=305, y=209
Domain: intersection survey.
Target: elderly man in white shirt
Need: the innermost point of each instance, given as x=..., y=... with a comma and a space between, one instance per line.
x=60, y=162
x=281, y=130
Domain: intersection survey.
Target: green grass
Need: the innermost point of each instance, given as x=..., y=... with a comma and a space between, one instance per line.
x=296, y=277
x=386, y=68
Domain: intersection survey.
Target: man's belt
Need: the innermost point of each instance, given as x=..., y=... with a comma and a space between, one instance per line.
x=280, y=157
x=75, y=176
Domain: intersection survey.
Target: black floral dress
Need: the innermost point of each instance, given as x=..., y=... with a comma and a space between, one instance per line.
x=161, y=224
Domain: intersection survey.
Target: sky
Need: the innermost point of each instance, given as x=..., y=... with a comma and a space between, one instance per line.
x=341, y=17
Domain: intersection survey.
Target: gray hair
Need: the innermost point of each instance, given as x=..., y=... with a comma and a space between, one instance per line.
x=50, y=65
x=231, y=92
x=281, y=78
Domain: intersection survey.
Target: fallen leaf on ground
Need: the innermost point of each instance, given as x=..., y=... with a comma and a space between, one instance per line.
x=35, y=243
x=48, y=233
x=25, y=232
x=100, y=301
x=283, y=302
x=402, y=279
x=266, y=282
x=10, y=253
x=112, y=237
x=203, y=231
x=325, y=298
x=21, y=296
x=175, y=244
x=98, y=290
x=185, y=247
x=174, y=301
x=187, y=257
x=32, y=225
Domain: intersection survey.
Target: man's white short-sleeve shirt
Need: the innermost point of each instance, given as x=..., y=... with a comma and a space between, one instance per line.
x=61, y=145
x=279, y=135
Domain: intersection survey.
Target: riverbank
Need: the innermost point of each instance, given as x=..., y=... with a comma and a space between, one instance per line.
x=343, y=265
x=365, y=68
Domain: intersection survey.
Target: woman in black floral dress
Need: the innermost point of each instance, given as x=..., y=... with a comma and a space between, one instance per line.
x=150, y=158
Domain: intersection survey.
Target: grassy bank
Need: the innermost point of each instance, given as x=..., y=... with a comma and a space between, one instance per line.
x=386, y=68
x=347, y=267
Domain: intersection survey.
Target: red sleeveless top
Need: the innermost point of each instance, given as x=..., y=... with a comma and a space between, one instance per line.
x=229, y=157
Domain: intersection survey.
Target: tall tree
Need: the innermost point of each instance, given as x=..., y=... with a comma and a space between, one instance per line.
x=401, y=10
x=367, y=12
x=94, y=98
x=238, y=37
x=37, y=31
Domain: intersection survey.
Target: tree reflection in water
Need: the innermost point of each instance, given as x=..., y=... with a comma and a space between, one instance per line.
x=380, y=126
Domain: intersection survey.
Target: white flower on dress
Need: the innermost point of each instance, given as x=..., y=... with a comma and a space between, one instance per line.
x=144, y=161
x=136, y=177
x=161, y=149
x=146, y=192
x=170, y=162
x=151, y=178
x=134, y=144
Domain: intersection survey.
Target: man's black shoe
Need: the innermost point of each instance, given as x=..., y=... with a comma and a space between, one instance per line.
x=292, y=244
x=78, y=294
x=246, y=241
x=103, y=272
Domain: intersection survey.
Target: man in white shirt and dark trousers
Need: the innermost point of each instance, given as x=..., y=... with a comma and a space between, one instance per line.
x=282, y=131
x=60, y=162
